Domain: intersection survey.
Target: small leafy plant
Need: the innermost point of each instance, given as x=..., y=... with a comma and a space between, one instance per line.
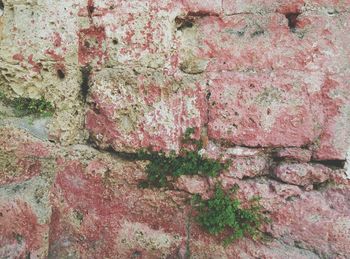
x=189, y=162
x=219, y=215
x=28, y=106
x=224, y=215
x=162, y=166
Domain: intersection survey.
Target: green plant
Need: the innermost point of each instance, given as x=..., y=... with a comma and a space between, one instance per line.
x=188, y=134
x=218, y=215
x=222, y=214
x=28, y=106
x=162, y=166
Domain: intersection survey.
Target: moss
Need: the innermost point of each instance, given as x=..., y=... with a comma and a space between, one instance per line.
x=28, y=106
x=225, y=215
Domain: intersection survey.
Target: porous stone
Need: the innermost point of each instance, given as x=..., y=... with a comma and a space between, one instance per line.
x=192, y=184
x=250, y=77
x=298, y=154
x=25, y=213
x=260, y=110
x=248, y=167
x=302, y=174
x=130, y=111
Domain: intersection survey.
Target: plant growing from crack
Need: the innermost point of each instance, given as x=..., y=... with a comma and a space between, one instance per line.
x=222, y=214
x=225, y=215
x=28, y=106
x=162, y=166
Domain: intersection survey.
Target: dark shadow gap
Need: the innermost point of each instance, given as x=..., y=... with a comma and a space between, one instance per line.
x=292, y=20
x=334, y=164
x=85, y=83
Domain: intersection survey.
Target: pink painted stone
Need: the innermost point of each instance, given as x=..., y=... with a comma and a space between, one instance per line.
x=22, y=144
x=129, y=113
x=21, y=235
x=234, y=6
x=192, y=184
x=311, y=222
x=248, y=167
x=20, y=155
x=139, y=33
x=204, y=6
x=307, y=220
x=260, y=110
x=97, y=215
x=248, y=76
x=243, y=43
x=97, y=209
x=302, y=174
x=92, y=48
x=334, y=140
x=302, y=155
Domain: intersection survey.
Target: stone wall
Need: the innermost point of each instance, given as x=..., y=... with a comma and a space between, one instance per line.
x=263, y=83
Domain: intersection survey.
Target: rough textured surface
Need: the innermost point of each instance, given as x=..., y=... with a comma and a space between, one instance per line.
x=302, y=174
x=262, y=83
x=298, y=154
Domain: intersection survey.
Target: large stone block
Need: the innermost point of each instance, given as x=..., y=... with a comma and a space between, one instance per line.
x=129, y=111
x=134, y=32
x=258, y=42
x=99, y=211
x=260, y=110
x=303, y=65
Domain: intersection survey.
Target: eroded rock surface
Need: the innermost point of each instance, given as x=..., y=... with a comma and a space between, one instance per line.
x=262, y=83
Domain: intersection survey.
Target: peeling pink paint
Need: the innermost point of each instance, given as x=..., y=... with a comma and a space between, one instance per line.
x=54, y=55
x=90, y=45
x=35, y=66
x=18, y=57
x=20, y=231
x=57, y=40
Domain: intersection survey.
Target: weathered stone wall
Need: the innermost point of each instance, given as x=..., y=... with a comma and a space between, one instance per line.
x=263, y=83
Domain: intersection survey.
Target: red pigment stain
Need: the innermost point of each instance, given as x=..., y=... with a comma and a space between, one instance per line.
x=100, y=124
x=331, y=109
x=91, y=10
x=30, y=168
x=57, y=40
x=90, y=45
x=36, y=66
x=25, y=169
x=18, y=219
x=151, y=93
x=90, y=7
x=293, y=7
x=18, y=57
x=128, y=37
x=85, y=190
x=32, y=149
x=60, y=67
x=156, y=142
x=53, y=55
